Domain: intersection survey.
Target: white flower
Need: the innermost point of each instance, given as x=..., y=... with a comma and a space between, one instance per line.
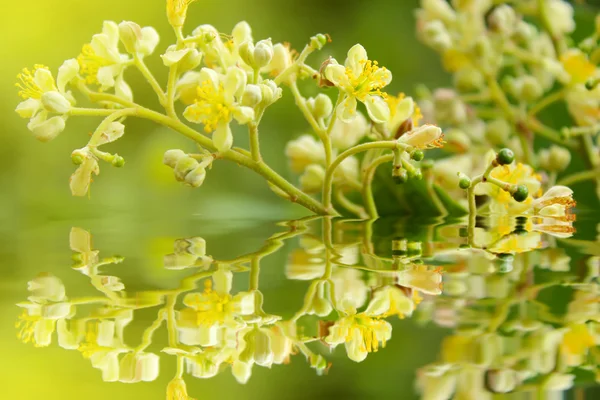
x=100, y=60
x=218, y=103
x=346, y=134
x=360, y=79
x=423, y=137
x=43, y=96
x=82, y=177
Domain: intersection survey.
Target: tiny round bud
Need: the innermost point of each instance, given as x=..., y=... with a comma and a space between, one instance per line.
x=246, y=52
x=417, y=155
x=77, y=158
x=184, y=166
x=130, y=34
x=263, y=53
x=322, y=106
x=505, y=156
x=172, y=156
x=416, y=174
x=118, y=161
x=498, y=131
x=318, y=41
x=464, y=182
x=521, y=193
x=559, y=158
x=252, y=95
x=400, y=176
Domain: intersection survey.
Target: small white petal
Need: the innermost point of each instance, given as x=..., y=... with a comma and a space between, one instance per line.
x=377, y=108
x=223, y=137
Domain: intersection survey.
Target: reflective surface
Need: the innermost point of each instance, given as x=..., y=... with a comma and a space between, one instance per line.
x=314, y=308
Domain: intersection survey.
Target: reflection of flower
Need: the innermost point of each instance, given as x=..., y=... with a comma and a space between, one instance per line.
x=212, y=309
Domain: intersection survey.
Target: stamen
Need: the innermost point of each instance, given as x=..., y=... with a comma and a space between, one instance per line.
x=28, y=88
x=90, y=63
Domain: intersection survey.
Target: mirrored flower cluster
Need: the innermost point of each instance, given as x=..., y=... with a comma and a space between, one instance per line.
x=490, y=283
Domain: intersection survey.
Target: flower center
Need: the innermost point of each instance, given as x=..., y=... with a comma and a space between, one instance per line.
x=209, y=107
x=28, y=89
x=26, y=325
x=370, y=81
x=90, y=63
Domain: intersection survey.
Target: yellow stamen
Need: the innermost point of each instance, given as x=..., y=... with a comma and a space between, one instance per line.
x=90, y=63
x=209, y=108
x=370, y=81
x=28, y=88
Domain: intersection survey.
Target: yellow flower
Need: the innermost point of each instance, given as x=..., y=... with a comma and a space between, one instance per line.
x=177, y=11
x=360, y=333
x=577, y=65
x=404, y=114
x=177, y=390
x=360, y=79
x=391, y=300
x=218, y=103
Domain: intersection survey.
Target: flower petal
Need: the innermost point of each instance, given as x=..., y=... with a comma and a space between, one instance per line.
x=223, y=137
x=67, y=71
x=346, y=111
x=357, y=56
x=377, y=108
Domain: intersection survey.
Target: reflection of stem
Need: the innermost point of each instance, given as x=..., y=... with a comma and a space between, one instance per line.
x=254, y=273
x=149, y=332
x=367, y=191
x=171, y=329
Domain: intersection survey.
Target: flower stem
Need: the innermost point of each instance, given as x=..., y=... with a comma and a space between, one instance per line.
x=367, y=191
x=254, y=142
x=579, y=177
x=141, y=65
x=328, y=182
x=349, y=205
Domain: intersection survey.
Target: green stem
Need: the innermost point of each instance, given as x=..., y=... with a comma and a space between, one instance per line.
x=579, y=177
x=367, y=192
x=149, y=332
x=546, y=101
x=297, y=64
x=254, y=142
x=349, y=205
x=328, y=182
x=139, y=63
x=170, y=98
x=90, y=112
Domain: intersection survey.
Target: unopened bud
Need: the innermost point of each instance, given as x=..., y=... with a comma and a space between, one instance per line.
x=464, y=182
x=78, y=156
x=318, y=41
x=252, y=95
x=195, y=177
x=320, y=106
x=555, y=159
x=246, y=52
x=270, y=92
x=263, y=53
x=498, y=131
x=312, y=179
x=130, y=34
x=171, y=157
x=55, y=102
x=436, y=35
x=184, y=166
x=468, y=79
x=323, y=81
x=503, y=19
x=118, y=161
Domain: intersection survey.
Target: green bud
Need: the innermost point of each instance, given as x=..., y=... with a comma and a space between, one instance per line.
x=318, y=41
x=399, y=175
x=505, y=156
x=195, y=177
x=417, y=155
x=464, y=182
x=521, y=193
x=118, y=161
x=77, y=158
x=468, y=79
x=416, y=174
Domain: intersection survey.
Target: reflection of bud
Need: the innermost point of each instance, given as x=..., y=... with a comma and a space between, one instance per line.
x=501, y=380
x=136, y=367
x=257, y=348
x=318, y=300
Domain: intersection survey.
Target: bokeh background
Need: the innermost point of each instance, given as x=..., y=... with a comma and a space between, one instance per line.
x=139, y=210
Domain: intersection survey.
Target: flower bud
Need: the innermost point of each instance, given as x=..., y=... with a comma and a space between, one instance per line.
x=312, y=179
x=422, y=137
x=184, y=166
x=320, y=106
x=468, y=79
x=263, y=53
x=118, y=161
x=246, y=52
x=195, y=178
x=171, y=157
x=130, y=34
x=498, y=131
x=252, y=95
x=318, y=41
x=554, y=159
x=270, y=92
x=323, y=81
x=464, y=182
x=54, y=101
x=501, y=380
x=503, y=19
x=505, y=156
x=78, y=156
x=436, y=35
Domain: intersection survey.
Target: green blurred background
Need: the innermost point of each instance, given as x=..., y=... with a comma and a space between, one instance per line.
x=139, y=210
